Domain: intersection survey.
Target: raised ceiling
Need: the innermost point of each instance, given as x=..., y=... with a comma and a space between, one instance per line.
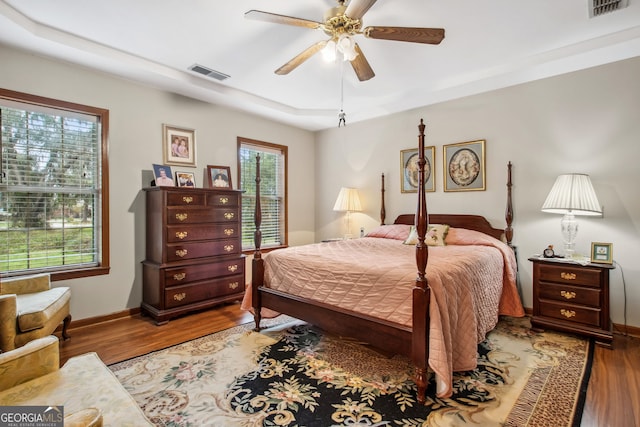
x=487, y=45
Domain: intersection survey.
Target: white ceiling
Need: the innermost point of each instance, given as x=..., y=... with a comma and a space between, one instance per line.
x=488, y=45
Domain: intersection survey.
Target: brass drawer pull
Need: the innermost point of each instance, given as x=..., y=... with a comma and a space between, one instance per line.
x=229, y=215
x=233, y=285
x=187, y=199
x=568, y=294
x=181, y=234
x=228, y=248
x=232, y=268
x=181, y=216
x=181, y=252
x=180, y=296
x=224, y=200
x=229, y=231
x=567, y=313
x=179, y=276
x=568, y=276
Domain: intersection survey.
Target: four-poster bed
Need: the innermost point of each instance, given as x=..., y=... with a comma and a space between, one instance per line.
x=406, y=318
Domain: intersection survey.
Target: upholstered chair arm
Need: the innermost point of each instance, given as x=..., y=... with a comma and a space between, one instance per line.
x=7, y=322
x=35, y=359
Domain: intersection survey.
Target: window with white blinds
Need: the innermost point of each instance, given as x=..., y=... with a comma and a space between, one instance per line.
x=52, y=186
x=273, y=190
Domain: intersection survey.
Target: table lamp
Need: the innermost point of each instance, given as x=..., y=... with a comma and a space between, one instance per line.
x=571, y=195
x=348, y=201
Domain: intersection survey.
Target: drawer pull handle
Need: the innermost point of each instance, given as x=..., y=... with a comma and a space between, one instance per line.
x=228, y=231
x=228, y=248
x=224, y=200
x=568, y=276
x=181, y=216
x=181, y=234
x=187, y=199
x=568, y=294
x=181, y=252
x=232, y=268
x=567, y=313
x=233, y=285
x=180, y=296
x=179, y=276
x=229, y=215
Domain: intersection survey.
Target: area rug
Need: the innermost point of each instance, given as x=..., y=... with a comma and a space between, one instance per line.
x=296, y=375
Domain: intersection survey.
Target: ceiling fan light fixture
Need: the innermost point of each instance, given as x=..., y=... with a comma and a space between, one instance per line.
x=347, y=47
x=329, y=51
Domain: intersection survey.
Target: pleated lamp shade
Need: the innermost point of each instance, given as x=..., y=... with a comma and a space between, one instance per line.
x=573, y=193
x=348, y=201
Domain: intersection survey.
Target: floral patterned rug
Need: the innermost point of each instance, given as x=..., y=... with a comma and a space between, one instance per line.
x=295, y=375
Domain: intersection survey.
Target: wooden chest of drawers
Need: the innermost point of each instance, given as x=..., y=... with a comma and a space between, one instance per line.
x=193, y=250
x=572, y=297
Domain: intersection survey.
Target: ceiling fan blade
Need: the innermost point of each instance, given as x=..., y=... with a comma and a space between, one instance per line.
x=281, y=19
x=361, y=66
x=300, y=58
x=406, y=34
x=357, y=8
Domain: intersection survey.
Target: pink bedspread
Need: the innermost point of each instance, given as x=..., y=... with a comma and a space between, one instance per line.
x=472, y=281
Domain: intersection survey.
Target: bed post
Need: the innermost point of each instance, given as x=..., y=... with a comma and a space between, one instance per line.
x=421, y=291
x=508, y=216
x=383, y=212
x=257, y=264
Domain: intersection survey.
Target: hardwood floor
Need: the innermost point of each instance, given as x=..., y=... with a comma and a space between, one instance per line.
x=613, y=396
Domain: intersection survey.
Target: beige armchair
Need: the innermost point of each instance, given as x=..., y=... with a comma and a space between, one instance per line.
x=30, y=308
x=87, y=389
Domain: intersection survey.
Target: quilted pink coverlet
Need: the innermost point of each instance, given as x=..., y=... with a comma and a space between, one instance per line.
x=472, y=281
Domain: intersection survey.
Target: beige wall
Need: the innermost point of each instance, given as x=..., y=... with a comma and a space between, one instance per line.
x=136, y=117
x=586, y=122
x=581, y=122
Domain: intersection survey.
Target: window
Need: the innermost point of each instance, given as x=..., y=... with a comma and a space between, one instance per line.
x=273, y=191
x=53, y=187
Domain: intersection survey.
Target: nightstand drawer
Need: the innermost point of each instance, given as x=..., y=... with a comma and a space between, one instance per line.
x=570, y=294
x=581, y=276
x=571, y=313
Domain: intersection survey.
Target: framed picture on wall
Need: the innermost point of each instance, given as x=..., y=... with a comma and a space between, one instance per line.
x=178, y=146
x=409, y=170
x=464, y=166
x=219, y=176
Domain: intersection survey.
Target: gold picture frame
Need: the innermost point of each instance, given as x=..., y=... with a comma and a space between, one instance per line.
x=178, y=146
x=601, y=253
x=464, y=166
x=409, y=170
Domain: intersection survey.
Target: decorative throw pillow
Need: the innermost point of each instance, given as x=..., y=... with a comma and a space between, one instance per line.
x=436, y=235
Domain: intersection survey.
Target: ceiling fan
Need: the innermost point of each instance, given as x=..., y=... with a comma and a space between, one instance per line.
x=341, y=23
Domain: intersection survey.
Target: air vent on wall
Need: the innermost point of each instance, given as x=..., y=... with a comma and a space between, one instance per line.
x=208, y=72
x=600, y=7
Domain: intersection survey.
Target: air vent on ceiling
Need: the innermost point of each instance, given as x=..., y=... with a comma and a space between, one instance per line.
x=600, y=7
x=208, y=72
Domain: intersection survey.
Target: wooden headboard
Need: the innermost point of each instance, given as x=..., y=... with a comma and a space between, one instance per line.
x=471, y=222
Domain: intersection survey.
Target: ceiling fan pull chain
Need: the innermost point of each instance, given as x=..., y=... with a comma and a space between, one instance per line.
x=342, y=115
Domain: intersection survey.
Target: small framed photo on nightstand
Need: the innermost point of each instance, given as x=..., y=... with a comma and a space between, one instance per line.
x=602, y=253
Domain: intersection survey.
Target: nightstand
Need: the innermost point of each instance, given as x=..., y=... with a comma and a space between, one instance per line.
x=572, y=297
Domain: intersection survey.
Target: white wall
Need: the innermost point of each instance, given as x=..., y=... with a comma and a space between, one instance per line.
x=135, y=142
x=586, y=121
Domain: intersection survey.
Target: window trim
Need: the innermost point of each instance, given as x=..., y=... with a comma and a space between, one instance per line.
x=285, y=151
x=102, y=115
